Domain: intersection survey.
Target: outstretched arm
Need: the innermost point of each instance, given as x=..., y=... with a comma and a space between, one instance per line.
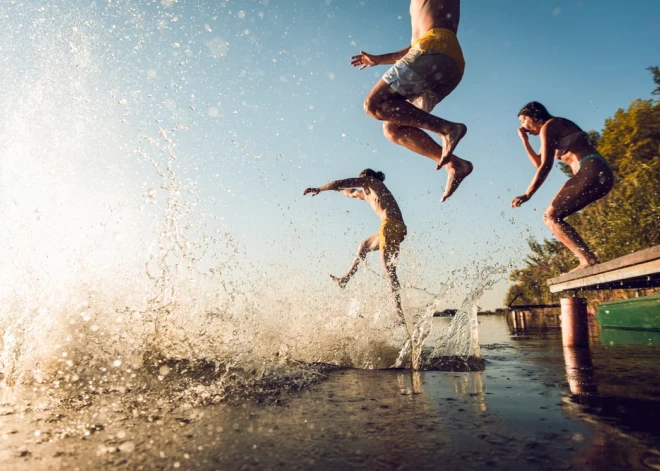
x=533, y=156
x=542, y=171
x=365, y=59
x=337, y=185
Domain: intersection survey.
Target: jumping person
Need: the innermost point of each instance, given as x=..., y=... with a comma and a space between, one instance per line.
x=592, y=176
x=369, y=187
x=423, y=74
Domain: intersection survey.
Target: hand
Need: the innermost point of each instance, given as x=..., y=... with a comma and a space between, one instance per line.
x=364, y=60
x=523, y=133
x=518, y=200
x=313, y=191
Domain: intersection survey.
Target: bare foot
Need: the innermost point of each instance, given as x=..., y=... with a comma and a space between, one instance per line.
x=583, y=265
x=455, y=176
x=450, y=141
x=340, y=282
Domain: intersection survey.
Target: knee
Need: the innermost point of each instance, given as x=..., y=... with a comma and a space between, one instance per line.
x=392, y=131
x=550, y=217
x=363, y=249
x=372, y=107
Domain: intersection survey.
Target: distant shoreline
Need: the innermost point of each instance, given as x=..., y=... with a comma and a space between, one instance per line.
x=452, y=313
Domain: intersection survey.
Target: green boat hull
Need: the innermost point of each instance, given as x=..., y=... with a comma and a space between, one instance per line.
x=612, y=337
x=631, y=314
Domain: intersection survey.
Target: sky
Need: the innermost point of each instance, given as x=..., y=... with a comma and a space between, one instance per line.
x=266, y=104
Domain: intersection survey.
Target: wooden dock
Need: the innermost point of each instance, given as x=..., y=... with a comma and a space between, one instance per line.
x=636, y=270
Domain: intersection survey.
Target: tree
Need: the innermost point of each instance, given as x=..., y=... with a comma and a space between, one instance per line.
x=546, y=260
x=655, y=70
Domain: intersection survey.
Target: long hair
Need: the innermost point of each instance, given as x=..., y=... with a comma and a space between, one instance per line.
x=367, y=172
x=535, y=110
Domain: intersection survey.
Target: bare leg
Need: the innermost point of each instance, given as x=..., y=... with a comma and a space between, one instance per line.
x=591, y=183
x=388, y=257
x=418, y=141
x=385, y=104
x=369, y=244
x=568, y=236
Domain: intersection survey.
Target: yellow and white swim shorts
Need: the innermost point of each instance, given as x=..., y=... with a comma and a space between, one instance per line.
x=431, y=70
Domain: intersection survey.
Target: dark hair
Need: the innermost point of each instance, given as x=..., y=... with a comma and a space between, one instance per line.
x=367, y=172
x=535, y=110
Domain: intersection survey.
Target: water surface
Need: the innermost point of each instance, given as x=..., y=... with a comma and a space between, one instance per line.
x=536, y=406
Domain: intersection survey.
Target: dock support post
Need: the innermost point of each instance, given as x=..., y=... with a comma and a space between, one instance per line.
x=574, y=322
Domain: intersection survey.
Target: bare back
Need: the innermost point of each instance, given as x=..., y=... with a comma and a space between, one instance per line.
x=429, y=14
x=380, y=199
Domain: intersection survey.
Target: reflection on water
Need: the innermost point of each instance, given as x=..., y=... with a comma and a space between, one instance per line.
x=538, y=320
x=579, y=371
x=537, y=405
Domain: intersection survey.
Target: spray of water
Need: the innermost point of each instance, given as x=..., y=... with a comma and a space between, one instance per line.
x=118, y=270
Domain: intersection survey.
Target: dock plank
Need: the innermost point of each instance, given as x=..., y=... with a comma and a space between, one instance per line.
x=639, y=269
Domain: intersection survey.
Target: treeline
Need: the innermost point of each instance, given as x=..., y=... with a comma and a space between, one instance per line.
x=625, y=221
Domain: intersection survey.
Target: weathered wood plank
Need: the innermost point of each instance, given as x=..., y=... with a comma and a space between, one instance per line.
x=627, y=272
x=636, y=258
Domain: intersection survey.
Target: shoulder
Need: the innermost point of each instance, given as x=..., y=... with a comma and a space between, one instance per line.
x=551, y=128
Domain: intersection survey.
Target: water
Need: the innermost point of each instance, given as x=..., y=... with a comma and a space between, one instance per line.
x=535, y=406
x=121, y=261
x=143, y=323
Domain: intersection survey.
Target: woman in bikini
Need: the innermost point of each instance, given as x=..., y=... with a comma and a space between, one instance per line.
x=592, y=176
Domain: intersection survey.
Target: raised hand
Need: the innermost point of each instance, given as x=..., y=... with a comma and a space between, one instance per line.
x=523, y=133
x=313, y=191
x=518, y=200
x=364, y=60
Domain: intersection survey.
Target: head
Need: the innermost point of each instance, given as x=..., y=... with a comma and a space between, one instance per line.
x=533, y=116
x=367, y=172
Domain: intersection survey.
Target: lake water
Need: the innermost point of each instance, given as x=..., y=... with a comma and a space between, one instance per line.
x=535, y=406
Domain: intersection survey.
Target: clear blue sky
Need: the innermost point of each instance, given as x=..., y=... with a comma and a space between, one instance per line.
x=273, y=106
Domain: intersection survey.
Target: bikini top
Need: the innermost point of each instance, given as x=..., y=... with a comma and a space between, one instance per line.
x=567, y=141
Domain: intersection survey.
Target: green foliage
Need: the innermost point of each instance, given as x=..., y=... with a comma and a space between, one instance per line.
x=628, y=219
x=625, y=221
x=655, y=70
x=546, y=260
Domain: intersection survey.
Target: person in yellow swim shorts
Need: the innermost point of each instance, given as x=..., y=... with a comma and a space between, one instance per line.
x=369, y=187
x=421, y=76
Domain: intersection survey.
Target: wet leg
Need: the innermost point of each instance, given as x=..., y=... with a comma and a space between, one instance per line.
x=389, y=258
x=591, y=183
x=418, y=141
x=568, y=236
x=385, y=104
x=369, y=244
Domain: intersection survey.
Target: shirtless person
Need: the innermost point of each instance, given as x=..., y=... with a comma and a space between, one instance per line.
x=422, y=75
x=369, y=186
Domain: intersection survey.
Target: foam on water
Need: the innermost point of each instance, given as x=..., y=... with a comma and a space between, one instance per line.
x=115, y=264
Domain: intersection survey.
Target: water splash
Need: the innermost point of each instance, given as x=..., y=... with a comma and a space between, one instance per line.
x=458, y=347
x=118, y=269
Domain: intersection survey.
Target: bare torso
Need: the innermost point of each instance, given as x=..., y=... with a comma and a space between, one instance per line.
x=429, y=14
x=559, y=128
x=381, y=200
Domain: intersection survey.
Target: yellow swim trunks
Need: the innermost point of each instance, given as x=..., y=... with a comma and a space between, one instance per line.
x=391, y=234
x=442, y=41
x=431, y=70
